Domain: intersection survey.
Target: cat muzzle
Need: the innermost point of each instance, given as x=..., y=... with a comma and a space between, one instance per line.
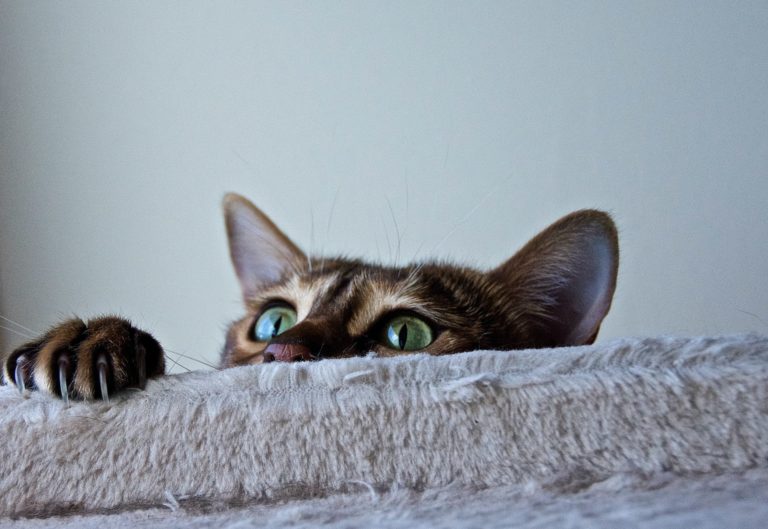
x=287, y=352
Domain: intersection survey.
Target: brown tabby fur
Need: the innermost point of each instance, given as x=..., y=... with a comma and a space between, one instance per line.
x=544, y=296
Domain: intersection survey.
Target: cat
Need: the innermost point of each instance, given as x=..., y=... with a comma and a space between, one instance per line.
x=553, y=292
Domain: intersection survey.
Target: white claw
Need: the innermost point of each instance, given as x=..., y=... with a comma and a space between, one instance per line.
x=63, y=363
x=18, y=373
x=101, y=363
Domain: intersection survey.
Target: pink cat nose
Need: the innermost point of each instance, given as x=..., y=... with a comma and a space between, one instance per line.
x=287, y=352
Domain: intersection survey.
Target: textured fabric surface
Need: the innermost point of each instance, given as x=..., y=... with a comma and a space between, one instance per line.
x=737, y=500
x=484, y=422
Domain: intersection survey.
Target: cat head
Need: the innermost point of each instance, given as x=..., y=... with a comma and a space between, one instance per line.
x=555, y=291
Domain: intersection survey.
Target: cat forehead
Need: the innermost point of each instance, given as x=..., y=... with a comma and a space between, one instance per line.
x=342, y=287
x=363, y=293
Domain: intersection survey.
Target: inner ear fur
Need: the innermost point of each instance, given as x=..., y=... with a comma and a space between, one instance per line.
x=560, y=285
x=260, y=252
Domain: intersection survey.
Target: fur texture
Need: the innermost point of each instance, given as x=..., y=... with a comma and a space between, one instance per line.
x=570, y=417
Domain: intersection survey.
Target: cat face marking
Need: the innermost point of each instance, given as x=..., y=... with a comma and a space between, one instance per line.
x=379, y=298
x=555, y=291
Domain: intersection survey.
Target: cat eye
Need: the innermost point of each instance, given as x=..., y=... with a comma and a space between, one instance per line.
x=407, y=333
x=273, y=321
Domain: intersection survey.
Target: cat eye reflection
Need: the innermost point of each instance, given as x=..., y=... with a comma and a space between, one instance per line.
x=274, y=321
x=407, y=333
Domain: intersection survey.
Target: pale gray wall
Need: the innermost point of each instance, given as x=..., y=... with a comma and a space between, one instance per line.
x=476, y=124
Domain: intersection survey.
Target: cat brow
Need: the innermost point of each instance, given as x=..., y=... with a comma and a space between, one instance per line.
x=378, y=298
x=373, y=309
x=302, y=293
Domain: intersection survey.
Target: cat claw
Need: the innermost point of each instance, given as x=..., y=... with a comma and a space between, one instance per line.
x=101, y=365
x=18, y=374
x=63, y=368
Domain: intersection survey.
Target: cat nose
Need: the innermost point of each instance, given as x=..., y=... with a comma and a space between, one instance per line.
x=287, y=352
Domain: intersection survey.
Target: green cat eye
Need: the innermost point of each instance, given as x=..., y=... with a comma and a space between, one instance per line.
x=275, y=320
x=407, y=333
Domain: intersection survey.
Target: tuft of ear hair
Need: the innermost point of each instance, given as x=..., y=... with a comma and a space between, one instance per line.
x=562, y=282
x=260, y=252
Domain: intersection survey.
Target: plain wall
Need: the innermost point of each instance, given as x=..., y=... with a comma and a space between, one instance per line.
x=466, y=127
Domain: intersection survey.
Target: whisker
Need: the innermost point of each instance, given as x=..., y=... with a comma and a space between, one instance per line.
x=386, y=237
x=328, y=226
x=406, y=200
x=247, y=164
x=397, y=229
x=758, y=318
x=311, y=237
x=333, y=209
x=407, y=223
x=17, y=324
x=203, y=362
x=22, y=334
x=466, y=217
x=177, y=364
x=319, y=355
x=413, y=259
x=414, y=272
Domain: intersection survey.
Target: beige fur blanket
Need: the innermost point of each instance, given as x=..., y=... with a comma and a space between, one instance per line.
x=567, y=420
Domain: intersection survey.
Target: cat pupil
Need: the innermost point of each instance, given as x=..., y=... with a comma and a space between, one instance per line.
x=402, y=336
x=276, y=326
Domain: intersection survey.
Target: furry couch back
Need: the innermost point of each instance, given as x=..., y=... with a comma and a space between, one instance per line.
x=572, y=417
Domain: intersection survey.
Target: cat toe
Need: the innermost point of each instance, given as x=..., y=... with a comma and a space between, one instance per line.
x=114, y=356
x=18, y=367
x=52, y=366
x=78, y=361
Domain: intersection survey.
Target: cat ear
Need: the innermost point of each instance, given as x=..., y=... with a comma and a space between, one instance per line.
x=261, y=253
x=562, y=282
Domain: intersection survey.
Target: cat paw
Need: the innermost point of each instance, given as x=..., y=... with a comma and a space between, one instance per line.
x=86, y=360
